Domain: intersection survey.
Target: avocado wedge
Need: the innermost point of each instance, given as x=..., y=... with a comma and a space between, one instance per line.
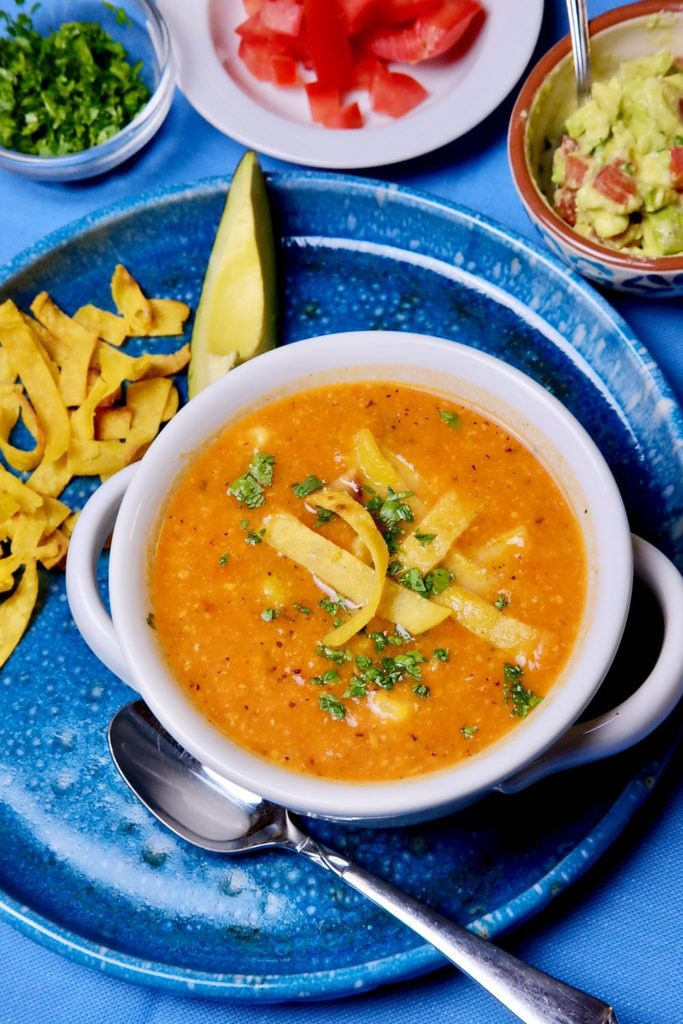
x=237, y=314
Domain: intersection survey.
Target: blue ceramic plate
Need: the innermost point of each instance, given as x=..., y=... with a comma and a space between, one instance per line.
x=85, y=870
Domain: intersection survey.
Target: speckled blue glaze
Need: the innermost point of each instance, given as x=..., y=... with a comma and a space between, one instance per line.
x=85, y=869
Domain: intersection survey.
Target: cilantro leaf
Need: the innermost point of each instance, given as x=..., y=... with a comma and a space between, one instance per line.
x=451, y=419
x=247, y=491
x=332, y=705
x=307, y=486
x=261, y=468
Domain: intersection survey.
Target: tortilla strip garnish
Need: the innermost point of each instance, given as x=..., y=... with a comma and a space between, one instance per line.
x=360, y=520
x=445, y=521
x=76, y=348
x=130, y=301
x=497, y=550
x=113, y=424
x=26, y=360
x=105, y=325
x=15, y=404
x=348, y=575
x=486, y=621
x=25, y=496
x=168, y=318
x=15, y=611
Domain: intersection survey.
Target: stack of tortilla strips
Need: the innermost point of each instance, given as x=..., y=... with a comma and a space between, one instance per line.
x=91, y=410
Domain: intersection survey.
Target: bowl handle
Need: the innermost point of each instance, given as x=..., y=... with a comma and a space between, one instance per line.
x=94, y=524
x=645, y=709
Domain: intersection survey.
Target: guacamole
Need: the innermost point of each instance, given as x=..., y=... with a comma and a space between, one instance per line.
x=618, y=172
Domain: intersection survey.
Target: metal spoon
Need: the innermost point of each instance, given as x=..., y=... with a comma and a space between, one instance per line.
x=578, y=30
x=205, y=809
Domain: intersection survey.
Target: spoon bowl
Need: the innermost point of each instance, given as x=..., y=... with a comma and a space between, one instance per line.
x=207, y=810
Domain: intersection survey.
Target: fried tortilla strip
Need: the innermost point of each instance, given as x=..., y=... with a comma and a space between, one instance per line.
x=362, y=523
x=50, y=478
x=165, y=364
x=7, y=374
x=487, y=622
x=15, y=611
x=13, y=405
x=505, y=546
x=25, y=496
x=442, y=524
x=8, y=567
x=168, y=318
x=26, y=360
x=52, y=549
x=75, y=351
x=46, y=343
x=105, y=325
x=172, y=403
x=470, y=575
x=130, y=301
x=112, y=424
x=8, y=506
x=348, y=575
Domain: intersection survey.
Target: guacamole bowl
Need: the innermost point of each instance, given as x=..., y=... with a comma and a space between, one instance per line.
x=127, y=638
x=537, y=128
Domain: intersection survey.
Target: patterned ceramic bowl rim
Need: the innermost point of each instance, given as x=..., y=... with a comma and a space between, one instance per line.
x=524, y=179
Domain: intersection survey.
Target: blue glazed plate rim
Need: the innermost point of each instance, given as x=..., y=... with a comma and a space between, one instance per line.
x=418, y=960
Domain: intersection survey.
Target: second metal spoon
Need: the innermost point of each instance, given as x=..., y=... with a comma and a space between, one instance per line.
x=214, y=814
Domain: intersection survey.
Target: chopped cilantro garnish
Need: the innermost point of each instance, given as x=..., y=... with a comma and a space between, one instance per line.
x=412, y=579
x=395, y=567
x=251, y=537
x=224, y=559
x=247, y=491
x=268, y=614
x=261, y=468
x=468, y=731
x=324, y=515
x=307, y=486
x=425, y=539
x=434, y=582
x=332, y=705
x=502, y=601
x=339, y=657
x=356, y=688
x=333, y=608
x=394, y=508
x=420, y=690
x=67, y=91
x=380, y=640
x=331, y=676
x=437, y=580
x=522, y=700
x=451, y=419
x=442, y=654
x=302, y=608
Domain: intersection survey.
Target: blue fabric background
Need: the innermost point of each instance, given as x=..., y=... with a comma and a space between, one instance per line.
x=619, y=932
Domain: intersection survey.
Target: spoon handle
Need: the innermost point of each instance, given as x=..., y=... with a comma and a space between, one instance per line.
x=535, y=997
x=578, y=30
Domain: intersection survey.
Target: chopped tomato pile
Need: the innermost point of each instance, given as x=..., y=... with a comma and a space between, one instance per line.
x=336, y=47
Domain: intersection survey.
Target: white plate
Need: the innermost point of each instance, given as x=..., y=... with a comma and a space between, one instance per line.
x=277, y=121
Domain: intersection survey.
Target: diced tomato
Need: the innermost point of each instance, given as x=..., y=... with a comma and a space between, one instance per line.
x=568, y=145
x=324, y=101
x=611, y=182
x=677, y=166
x=283, y=16
x=349, y=116
x=254, y=30
x=267, y=64
x=564, y=202
x=429, y=35
x=398, y=12
x=328, y=42
x=394, y=93
x=358, y=14
x=575, y=169
x=253, y=6
x=365, y=67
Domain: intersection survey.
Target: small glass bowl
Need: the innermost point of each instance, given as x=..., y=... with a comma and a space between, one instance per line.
x=146, y=38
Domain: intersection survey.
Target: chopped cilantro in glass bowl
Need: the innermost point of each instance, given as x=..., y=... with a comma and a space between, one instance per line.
x=84, y=84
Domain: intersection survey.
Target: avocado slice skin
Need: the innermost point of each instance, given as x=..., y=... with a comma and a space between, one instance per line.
x=236, y=317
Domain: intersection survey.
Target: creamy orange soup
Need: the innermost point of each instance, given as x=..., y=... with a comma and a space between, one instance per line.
x=375, y=502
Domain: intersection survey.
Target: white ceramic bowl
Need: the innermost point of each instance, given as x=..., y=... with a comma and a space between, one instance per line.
x=128, y=647
x=545, y=100
x=141, y=29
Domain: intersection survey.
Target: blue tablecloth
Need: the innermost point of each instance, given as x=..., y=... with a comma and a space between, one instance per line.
x=618, y=932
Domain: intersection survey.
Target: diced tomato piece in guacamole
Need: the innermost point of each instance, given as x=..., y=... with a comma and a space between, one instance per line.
x=613, y=183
